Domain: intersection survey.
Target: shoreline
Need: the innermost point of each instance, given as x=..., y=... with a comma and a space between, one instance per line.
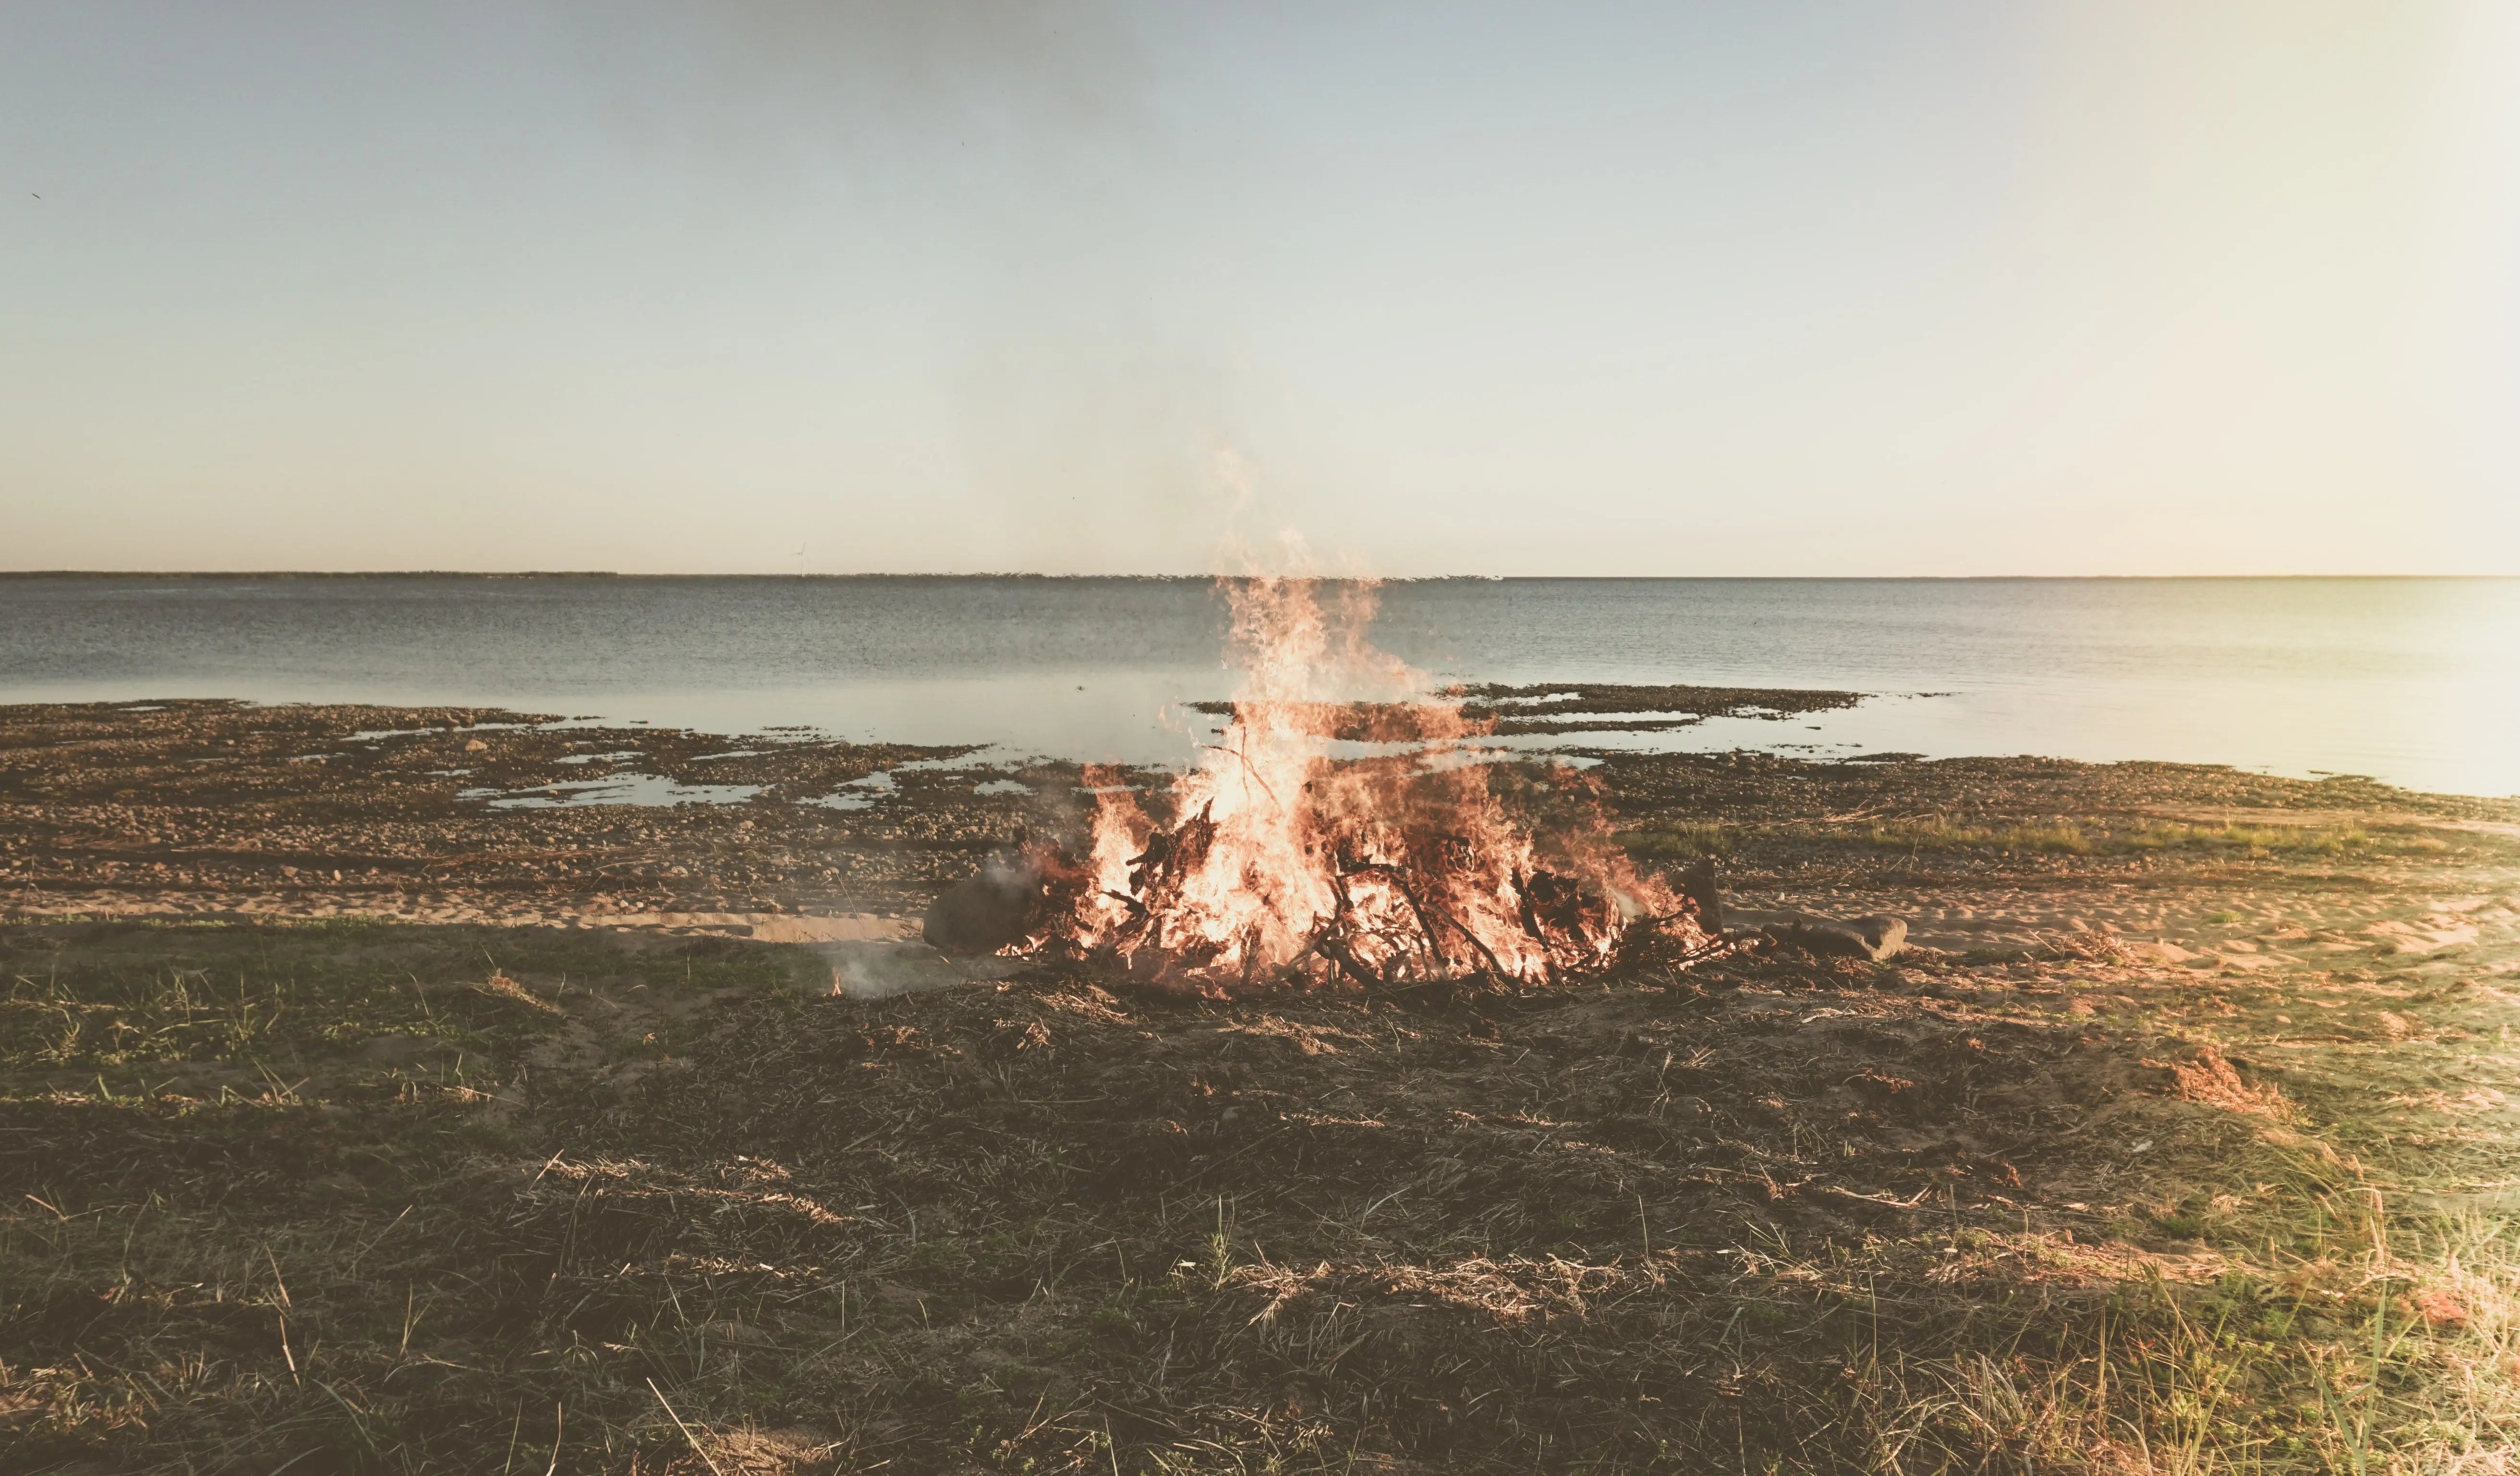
x=224, y=809
x=1057, y=724
x=568, y=1106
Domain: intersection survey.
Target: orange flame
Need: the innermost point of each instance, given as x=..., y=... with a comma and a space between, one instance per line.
x=1286, y=862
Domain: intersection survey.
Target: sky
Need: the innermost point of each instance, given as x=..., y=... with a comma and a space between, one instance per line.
x=2126, y=287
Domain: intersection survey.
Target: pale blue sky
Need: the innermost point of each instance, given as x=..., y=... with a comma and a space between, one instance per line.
x=2118, y=287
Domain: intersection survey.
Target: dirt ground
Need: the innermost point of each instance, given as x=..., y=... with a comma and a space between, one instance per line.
x=358, y=1117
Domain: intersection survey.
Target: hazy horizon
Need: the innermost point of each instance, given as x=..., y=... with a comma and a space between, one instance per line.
x=1816, y=289
x=1205, y=577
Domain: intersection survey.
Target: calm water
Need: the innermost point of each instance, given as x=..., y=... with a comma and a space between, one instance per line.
x=2416, y=682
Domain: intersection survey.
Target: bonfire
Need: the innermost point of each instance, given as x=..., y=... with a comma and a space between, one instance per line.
x=1333, y=839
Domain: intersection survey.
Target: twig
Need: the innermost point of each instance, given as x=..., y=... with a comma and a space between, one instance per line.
x=1704, y=952
x=1494, y=965
x=371, y=1245
x=1530, y=919
x=1879, y=1199
x=545, y=1169
x=1400, y=879
x=1248, y=769
x=686, y=1429
x=514, y=1426
x=1336, y=952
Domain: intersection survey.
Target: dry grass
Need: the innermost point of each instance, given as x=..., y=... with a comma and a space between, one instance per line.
x=2259, y=840
x=1773, y=1216
x=1935, y=832
x=1681, y=840
x=2103, y=837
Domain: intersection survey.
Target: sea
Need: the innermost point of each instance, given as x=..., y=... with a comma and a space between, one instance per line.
x=2415, y=681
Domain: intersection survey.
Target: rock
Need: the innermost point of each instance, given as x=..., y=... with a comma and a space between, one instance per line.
x=1874, y=936
x=988, y=912
x=476, y=746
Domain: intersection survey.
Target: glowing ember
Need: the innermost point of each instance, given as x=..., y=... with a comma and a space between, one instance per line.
x=1283, y=864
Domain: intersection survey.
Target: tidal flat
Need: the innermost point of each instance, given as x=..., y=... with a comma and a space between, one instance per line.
x=407, y=1090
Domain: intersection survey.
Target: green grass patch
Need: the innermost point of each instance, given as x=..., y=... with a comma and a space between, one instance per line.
x=2261, y=840
x=1682, y=841
x=2089, y=837
x=1940, y=832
